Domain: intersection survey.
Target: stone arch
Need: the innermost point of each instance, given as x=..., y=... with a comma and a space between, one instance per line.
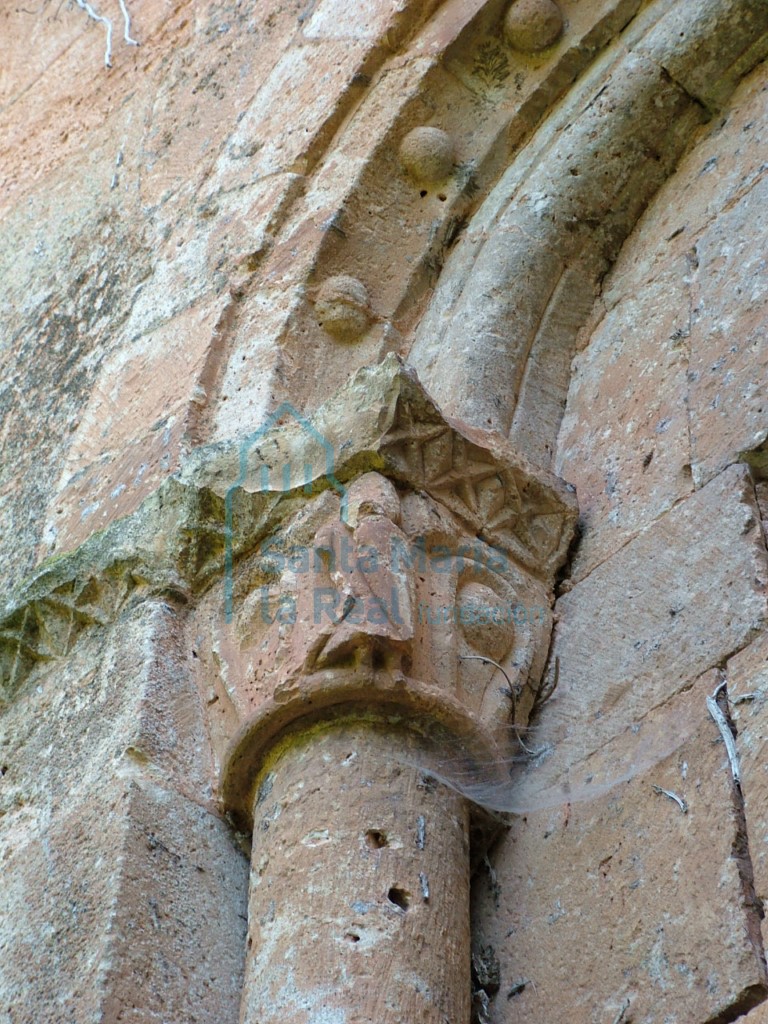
x=556, y=154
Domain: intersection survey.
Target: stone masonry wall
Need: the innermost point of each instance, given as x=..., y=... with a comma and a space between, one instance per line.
x=665, y=597
x=229, y=218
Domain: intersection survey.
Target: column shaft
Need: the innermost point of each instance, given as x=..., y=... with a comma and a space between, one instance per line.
x=359, y=896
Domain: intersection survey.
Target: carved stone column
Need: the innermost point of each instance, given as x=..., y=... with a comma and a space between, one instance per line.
x=396, y=623
x=359, y=893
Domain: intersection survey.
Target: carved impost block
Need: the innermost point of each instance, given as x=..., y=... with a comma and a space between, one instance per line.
x=409, y=579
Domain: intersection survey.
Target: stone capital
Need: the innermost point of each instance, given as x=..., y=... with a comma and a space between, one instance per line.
x=407, y=578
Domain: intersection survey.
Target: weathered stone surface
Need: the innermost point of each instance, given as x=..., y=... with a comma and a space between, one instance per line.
x=360, y=211
x=178, y=925
x=747, y=676
x=547, y=373
x=624, y=440
x=724, y=41
x=384, y=862
x=320, y=72
x=61, y=871
x=427, y=154
x=227, y=497
x=505, y=294
x=166, y=227
x=107, y=827
x=623, y=900
x=128, y=905
x=676, y=600
x=722, y=166
x=729, y=361
x=342, y=307
x=388, y=605
x=360, y=611
x=74, y=321
x=675, y=362
x=177, y=136
x=384, y=419
x=757, y=1016
x=125, y=696
x=111, y=466
x=154, y=158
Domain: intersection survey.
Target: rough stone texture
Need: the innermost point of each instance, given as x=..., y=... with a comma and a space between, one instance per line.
x=427, y=154
x=107, y=826
x=129, y=905
x=383, y=854
x=166, y=159
x=181, y=915
x=75, y=322
x=728, y=356
x=668, y=391
x=632, y=461
x=125, y=697
x=532, y=25
x=135, y=574
x=747, y=675
x=624, y=130
x=373, y=611
x=192, y=219
x=111, y=466
x=623, y=899
x=342, y=307
x=653, y=605
x=228, y=496
x=166, y=230
x=723, y=42
x=487, y=315
x=673, y=602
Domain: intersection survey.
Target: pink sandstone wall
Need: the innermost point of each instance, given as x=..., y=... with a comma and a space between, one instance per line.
x=588, y=279
x=622, y=895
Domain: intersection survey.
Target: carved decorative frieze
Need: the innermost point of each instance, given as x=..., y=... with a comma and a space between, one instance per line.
x=228, y=497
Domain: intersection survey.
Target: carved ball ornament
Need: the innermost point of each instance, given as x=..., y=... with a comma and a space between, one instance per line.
x=485, y=620
x=428, y=155
x=343, y=308
x=533, y=25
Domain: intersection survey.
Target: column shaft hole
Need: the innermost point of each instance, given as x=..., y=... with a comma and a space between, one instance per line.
x=375, y=839
x=400, y=897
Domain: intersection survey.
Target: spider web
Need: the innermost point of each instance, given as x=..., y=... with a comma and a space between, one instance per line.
x=569, y=762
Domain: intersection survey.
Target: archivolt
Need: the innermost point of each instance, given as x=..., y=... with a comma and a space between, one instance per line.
x=495, y=345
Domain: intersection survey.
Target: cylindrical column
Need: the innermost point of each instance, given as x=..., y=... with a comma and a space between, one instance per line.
x=359, y=897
